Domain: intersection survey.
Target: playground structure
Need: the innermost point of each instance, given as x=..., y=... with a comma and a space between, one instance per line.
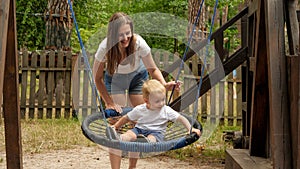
x=270, y=83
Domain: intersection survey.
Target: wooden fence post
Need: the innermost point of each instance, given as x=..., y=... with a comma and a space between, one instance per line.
x=33, y=67
x=50, y=84
x=24, y=82
x=42, y=85
x=68, y=79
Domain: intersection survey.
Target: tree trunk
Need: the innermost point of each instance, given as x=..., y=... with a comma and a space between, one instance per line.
x=200, y=29
x=58, y=25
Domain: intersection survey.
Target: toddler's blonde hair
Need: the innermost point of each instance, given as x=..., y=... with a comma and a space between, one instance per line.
x=152, y=86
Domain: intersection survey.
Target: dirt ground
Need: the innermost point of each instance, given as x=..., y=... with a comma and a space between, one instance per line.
x=97, y=157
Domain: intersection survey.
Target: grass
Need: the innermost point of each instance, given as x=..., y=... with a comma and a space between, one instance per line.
x=52, y=134
x=40, y=136
x=210, y=150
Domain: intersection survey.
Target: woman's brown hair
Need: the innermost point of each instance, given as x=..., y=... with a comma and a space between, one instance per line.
x=113, y=55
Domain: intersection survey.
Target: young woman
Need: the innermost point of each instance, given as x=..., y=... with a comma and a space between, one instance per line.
x=122, y=64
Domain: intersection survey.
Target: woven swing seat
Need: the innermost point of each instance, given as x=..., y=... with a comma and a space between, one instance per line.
x=94, y=128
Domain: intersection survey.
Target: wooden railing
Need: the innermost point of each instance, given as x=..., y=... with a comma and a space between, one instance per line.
x=45, y=84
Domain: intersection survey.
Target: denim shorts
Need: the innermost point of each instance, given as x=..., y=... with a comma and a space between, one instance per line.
x=157, y=134
x=132, y=82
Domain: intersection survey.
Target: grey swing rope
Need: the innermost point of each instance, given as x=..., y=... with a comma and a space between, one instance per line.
x=93, y=125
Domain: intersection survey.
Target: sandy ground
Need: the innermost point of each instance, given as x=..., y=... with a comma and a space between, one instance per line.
x=96, y=157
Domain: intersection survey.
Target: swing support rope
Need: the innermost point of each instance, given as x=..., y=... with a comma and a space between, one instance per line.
x=186, y=49
x=88, y=69
x=205, y=57
x=204, y=63
x=129, y=146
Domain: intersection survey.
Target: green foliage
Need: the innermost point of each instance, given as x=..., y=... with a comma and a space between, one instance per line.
x=92, y=17
x=30, y=23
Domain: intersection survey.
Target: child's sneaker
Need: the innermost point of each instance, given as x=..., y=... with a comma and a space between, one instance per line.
x=112, y=133
x=142, y=138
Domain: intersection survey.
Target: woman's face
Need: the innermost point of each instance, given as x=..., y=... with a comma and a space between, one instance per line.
x=125, y=35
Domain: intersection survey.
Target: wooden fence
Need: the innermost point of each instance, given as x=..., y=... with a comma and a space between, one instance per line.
x=222, y=104
x=45, y=84
x=56, y=84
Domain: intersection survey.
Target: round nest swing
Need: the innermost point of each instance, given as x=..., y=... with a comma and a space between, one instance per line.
x=94, y=128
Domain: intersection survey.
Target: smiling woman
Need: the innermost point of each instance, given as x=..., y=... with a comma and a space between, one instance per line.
x=122, y=64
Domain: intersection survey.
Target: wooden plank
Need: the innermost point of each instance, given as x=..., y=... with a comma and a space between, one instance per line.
x=204, y=110
x=230, y=99
x=229, y=23
x=221, y=101
x=68, y=79
x=59, y=84
x=248, y=39
x=175, y=74
x=260, y=96
x=50, y=85
x=42, y=86
x=32, y=92
x=47, y=69
x=293, y=24
x=156, y=58
x=165, y=59
x=75, y=86
x=4, y=8
x=239, y=95
x=219, y=57
x=293, y=67
x=279, y=114
x=213, y=104
x=13, y=142
x=298, y=130
x=186, y=85
x=219, y=47
x=210, y=80
x=195, y=64
x=85, y=89
x=241, y=159
x=24, y=83
x=199, y=45
x=294, y=104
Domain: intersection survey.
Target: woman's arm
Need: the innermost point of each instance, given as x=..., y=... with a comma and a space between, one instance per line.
x=155, y=73
x=153, y=70
x=98, y=69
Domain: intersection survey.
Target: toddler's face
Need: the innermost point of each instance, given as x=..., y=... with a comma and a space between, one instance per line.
x=157, y=101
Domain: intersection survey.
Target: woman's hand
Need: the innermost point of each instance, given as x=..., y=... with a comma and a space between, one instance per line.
x=170, y=85
x=114, y=106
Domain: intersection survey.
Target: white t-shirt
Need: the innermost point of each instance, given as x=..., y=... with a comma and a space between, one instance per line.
x=142, y=49
x=152, y=120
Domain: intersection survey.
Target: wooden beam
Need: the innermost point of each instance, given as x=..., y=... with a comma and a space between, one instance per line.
x=277, y=78
x=4, y=8
x=248, y=38
x=260, y=102
x=199, y=45
x=292, y=25
x=11, y=97
x=187, y=98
